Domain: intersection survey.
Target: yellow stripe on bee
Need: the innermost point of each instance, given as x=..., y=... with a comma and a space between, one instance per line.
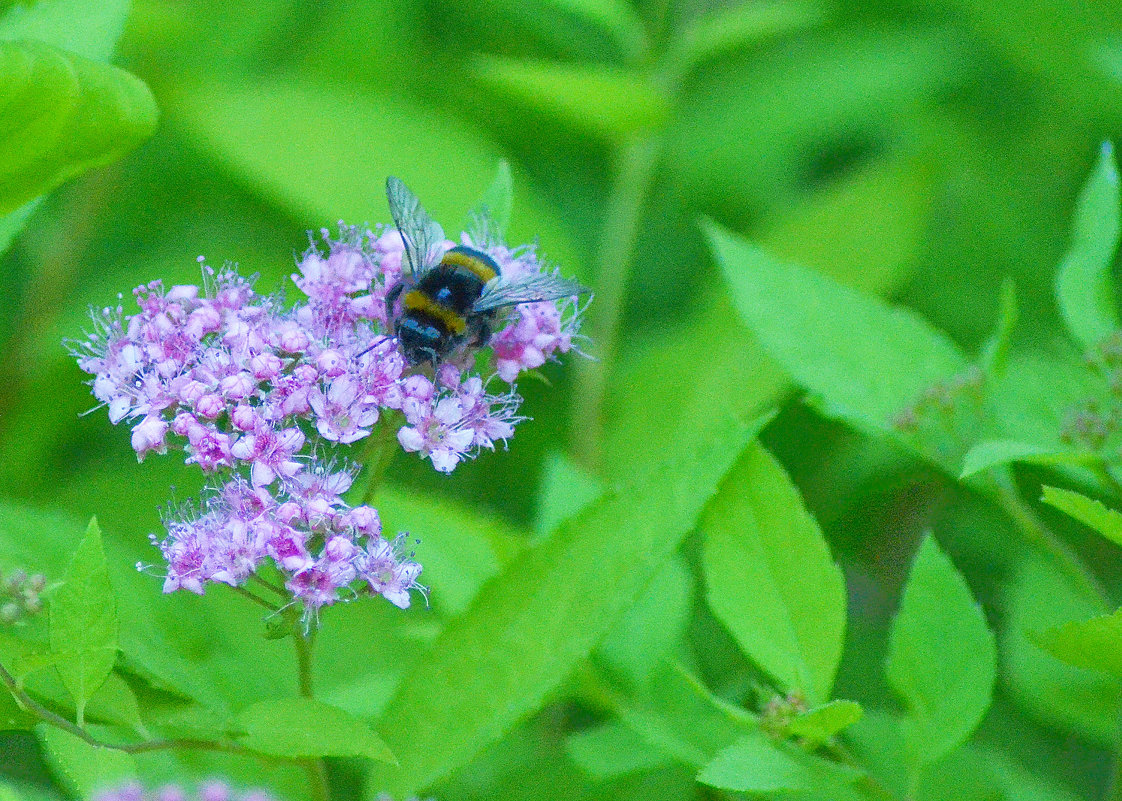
x=415, y=300
x=468, y=262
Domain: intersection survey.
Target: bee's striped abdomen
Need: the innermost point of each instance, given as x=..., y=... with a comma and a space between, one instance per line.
x=476, y=261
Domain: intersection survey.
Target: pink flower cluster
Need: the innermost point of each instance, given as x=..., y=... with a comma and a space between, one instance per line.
x=320, y=545
x=253, y=390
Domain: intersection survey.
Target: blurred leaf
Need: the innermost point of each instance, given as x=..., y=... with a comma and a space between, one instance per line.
x=750, y=136
x=994, y=453
x=771, y=580
x=495, y=205
x=81, y=768
x=1064, y=697
x=653, y=629
x=1086, y=510
x=611, y=750
x=566, y=489
x=89, y=28
x=346, y=144
x=63, y=114
x=1094, y=644
x=740, y=25
x=867, y=359
x=757, y=765
x=533, y=623
x=596, y=99
x=11, y=224
x=946, y=698
x=84, y=626
x=304, y=727
x=995, y=353
x=617, y=17
x=821, y=723
x=1084, y=283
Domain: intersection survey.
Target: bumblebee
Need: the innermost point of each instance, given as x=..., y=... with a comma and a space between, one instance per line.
x=451, y=299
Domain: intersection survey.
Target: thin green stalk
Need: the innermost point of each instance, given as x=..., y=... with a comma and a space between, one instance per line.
x=29, y=704
x=242, y=591
x=1037, y=533
x=635, y=164
x=377, y=457
x=316, y=769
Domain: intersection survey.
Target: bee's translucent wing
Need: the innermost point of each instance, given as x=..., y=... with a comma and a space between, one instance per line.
x=420, y=233
x=532, y=289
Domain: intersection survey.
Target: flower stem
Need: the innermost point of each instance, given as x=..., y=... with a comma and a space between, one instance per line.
x=318, y=785
x=635, y=164
x=377, y=457
x=30, y=705
x=1039, y=535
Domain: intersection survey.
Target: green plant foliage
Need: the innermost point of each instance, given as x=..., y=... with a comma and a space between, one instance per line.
x=302, y=727
x=1092, y=644
x=819, y=724
x=866, y=359
x=1065, y=697
x=946, y=698
x=600, y=101
x=80, y=767
x=1086, y=510
x=895, y=225
x=63, y=115
x=771, y=579
x=494, y=651
x=84, y=626
x=1083, y=283
x=752, y=764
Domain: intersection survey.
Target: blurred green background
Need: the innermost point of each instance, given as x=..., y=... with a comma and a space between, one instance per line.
x=921, y=149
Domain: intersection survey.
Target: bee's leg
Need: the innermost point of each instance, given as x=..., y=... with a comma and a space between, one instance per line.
x=483, y=335
x=392, y=296
x=431, y=356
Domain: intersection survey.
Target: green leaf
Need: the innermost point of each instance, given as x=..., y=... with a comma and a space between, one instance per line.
x=616, y=17
x=89, y=28
x=566, y=489
x=612, y=750
x=946, y=698
x=63, y=114
x=757, y=765
x=771, y=580
x=653, y=629
x=865, y=358
x=1063, y=697
x=1084, y=288
x=1086, y=510
x=994, y=453
x=741, y=25
x=1095, y=644
x=81, y=768
x=347, y=148
x=821, y=723
x=496, y=202
x=995, y=353
x=84, y=626
x=303, y=727
x=592, y=98
x=679, y=718
x=534, y=622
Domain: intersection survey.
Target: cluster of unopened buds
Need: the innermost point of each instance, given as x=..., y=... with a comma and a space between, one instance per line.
x=20, y=596
x=260, y=395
